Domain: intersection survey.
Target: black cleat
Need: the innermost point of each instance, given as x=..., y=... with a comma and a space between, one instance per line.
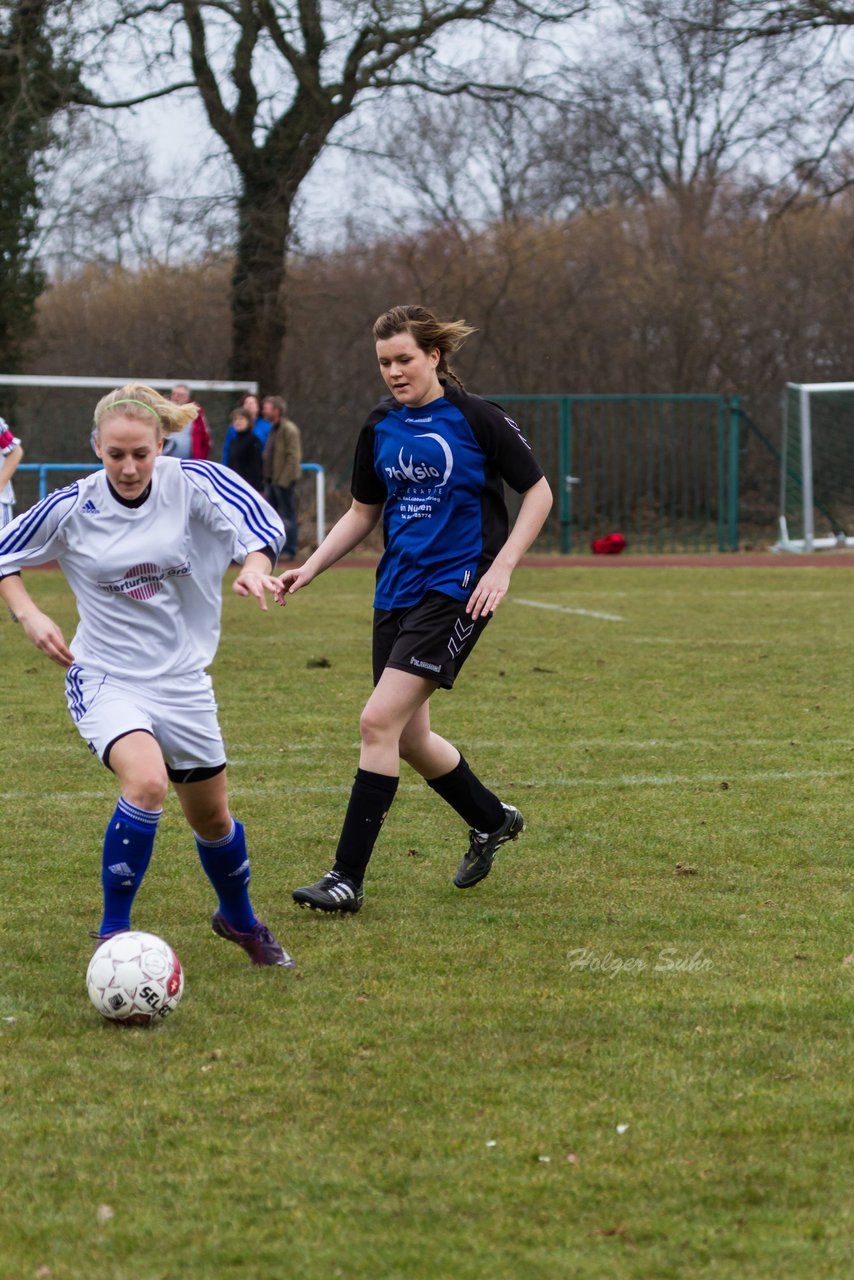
x=333, y=892
x=477, y=862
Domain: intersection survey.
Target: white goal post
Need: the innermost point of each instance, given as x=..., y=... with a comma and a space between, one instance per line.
x=48, y=381
x=817, y=467
x=159, y=384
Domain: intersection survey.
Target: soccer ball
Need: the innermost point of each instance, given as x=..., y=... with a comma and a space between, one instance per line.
x=135, y=978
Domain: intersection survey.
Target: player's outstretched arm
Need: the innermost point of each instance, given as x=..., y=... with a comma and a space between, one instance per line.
x=353, y=527
x=9, y=465
x=255, y=578
x=492, y=587
x=38, y=627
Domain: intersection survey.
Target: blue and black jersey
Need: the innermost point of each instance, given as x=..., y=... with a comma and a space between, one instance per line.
x=439, y=470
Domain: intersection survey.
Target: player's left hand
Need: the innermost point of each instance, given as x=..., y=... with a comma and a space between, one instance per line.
x=249, y=582
x=489, y=592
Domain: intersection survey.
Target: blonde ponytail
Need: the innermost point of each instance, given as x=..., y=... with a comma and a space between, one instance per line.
x=136, y=400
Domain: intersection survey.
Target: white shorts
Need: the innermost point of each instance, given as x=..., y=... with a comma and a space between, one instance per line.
x=180, y=713
x=7, y=514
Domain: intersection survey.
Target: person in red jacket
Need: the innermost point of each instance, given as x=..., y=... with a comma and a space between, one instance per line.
x=195, y=440
x=11, y=454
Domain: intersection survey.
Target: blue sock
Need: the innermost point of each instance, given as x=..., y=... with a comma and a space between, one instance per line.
x=226, y=865
x=128, y=842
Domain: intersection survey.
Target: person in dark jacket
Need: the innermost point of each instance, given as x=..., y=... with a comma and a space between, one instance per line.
x=246, y=453
x=261, y=426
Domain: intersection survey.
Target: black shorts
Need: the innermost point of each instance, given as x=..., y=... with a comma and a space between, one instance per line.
x=431, y=639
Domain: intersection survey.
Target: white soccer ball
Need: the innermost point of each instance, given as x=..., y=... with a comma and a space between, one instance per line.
x=135, y=978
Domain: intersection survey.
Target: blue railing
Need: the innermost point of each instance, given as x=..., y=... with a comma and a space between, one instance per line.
x=45, y=468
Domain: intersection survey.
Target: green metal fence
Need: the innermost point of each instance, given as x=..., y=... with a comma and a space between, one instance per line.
x=663, y=470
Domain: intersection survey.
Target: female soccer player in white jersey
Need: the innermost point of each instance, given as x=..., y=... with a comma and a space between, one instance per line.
x=431, y=460
x=144, y=545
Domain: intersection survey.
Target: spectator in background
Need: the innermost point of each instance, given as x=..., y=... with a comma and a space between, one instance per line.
x=245, y=454
x=261, y=426
x=282, y=459
x=11, y=454
x=195, y=439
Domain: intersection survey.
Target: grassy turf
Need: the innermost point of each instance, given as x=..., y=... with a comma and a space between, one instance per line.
x=626, y=1054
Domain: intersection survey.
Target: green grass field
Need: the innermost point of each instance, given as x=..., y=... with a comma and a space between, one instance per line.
x=626, y=1054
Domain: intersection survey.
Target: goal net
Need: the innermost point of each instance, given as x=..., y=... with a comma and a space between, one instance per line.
x=817, y=472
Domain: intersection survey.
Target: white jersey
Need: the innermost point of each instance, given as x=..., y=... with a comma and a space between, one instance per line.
x=147, y=579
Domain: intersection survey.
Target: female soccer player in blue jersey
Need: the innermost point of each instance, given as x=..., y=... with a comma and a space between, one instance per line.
x=144, y=545
x=431, y=460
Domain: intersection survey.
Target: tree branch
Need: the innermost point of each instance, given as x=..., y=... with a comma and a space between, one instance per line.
x=83, y=98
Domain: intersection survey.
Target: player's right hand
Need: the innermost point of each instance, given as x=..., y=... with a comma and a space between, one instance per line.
x=46, y=635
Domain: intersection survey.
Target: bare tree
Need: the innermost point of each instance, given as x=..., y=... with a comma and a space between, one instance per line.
x=275, y=81
x=663, y=101
x=103, y=205
x=817, y=35
x=756, y=18
x=465, y=162
x=671, y=106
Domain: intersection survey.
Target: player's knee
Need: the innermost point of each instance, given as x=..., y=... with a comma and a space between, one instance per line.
x=147, y=790
x=373, y=727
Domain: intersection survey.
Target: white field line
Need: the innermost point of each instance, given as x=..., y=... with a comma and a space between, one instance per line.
x=724, y=642
x=703, y=642
x=616, y=782
x=565, y=608
x=240, y=753
x=681, y=780
x=616, y=617
x=253, y=752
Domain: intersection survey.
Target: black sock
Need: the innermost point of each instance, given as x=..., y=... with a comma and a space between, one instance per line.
x=370, y=801
x=475, y=803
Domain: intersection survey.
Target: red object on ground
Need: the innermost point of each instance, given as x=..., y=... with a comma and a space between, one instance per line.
x=611, y=545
